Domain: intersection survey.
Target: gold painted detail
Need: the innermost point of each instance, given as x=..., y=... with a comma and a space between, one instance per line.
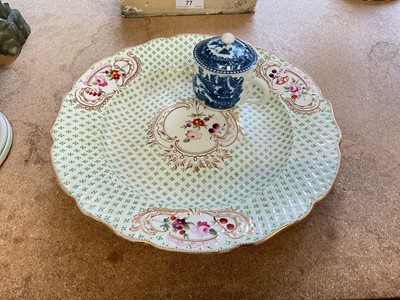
x=187, y=225
x=290, y=86
x=194, y=136
x=105, y=80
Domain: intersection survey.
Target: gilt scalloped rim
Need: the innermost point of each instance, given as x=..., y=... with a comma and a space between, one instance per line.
x=142, y=219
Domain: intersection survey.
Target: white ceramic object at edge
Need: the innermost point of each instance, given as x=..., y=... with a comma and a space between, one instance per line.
x=5, y=137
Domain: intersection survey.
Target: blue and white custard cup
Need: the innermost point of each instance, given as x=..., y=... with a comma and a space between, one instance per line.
x=223, y=74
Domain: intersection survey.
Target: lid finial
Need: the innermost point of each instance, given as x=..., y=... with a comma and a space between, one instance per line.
x=227, y=38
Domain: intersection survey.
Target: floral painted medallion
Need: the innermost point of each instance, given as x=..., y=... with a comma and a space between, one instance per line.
x=194, y=136
x=290, y=85
x=102, y=82
x=193, y=227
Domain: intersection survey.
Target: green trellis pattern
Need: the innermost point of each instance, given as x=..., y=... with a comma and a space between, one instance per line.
x=288, y=162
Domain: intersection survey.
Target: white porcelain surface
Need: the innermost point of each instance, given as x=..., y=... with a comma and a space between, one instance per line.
x=5, y=137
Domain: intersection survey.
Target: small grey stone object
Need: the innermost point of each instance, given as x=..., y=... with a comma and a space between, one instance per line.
x=13, y=30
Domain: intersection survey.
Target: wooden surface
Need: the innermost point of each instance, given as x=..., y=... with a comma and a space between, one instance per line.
x=347, y=248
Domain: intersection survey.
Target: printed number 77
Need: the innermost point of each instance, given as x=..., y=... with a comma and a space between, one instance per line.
x=189, y=2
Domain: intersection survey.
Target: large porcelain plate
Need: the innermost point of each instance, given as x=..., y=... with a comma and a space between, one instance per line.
x=137, y=152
